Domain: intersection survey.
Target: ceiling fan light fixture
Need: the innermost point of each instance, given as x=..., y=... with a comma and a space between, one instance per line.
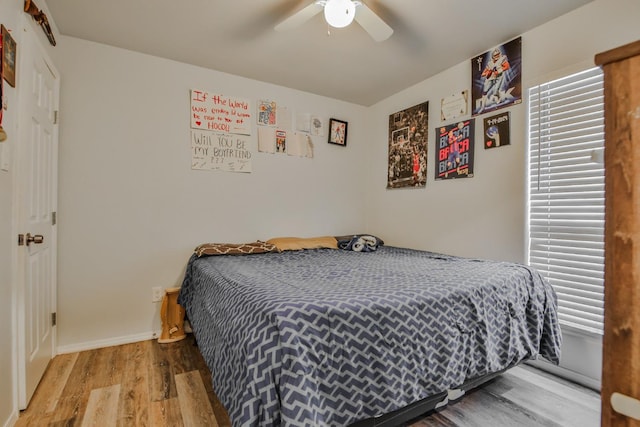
x=339, y=13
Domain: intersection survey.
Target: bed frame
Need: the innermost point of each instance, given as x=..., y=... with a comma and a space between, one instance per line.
x=424, y=406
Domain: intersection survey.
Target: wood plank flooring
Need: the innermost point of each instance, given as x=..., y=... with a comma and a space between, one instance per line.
x=151, y=384
x=139, y=384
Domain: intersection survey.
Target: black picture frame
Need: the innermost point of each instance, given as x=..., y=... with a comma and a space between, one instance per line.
x=338, y=132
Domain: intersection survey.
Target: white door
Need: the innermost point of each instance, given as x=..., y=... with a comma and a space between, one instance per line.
x=38, y=89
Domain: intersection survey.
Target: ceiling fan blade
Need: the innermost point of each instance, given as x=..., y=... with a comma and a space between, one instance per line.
x=299, y=18
x=372, y=23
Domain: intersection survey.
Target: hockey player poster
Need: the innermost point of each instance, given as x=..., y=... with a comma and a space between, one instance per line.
x=408, y=147
x=496, y=79
x=496, y=131
x=454, y=150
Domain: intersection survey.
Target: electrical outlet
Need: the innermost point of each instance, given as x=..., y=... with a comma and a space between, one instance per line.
x=156, y=294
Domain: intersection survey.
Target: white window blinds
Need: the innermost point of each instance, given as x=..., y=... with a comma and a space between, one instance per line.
x=566, y=194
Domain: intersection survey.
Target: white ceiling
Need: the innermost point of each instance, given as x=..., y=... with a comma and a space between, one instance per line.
x=237, y=36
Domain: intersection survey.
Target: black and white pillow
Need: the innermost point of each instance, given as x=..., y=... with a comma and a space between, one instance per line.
x=360, y=243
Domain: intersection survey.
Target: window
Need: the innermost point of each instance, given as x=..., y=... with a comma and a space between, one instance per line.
x=566, y=194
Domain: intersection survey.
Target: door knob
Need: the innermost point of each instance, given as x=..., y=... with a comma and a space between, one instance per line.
x=36, y=239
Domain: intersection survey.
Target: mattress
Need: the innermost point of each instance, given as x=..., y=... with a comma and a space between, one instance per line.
x=329, y=337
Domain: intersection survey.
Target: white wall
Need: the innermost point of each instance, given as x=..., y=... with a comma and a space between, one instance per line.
x=131, y=210
x=479, y=217
x=485, y=216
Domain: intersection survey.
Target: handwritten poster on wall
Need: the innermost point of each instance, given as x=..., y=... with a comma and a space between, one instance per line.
x=220, y=131
x=219, y=151
x=220, y=113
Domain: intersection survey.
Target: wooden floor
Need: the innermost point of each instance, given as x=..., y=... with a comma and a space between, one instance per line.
x=151, y=384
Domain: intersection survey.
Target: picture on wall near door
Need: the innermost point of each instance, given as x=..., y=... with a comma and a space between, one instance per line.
x=8, y=57
x=3, y=133
x=1, y=104
x=496, y=77
x=454, y=153
x=408, y=130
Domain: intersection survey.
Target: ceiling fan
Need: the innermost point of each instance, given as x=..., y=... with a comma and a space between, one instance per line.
x=339, y=14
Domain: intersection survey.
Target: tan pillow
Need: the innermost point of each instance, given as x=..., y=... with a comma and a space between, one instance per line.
x=235, y=248
x=299, y=243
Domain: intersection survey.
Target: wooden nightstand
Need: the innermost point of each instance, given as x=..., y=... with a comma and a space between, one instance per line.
x=172, y=317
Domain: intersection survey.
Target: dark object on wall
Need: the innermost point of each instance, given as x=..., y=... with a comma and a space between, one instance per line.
x=8, y=57
x=338, y=132
x=454, y=150
x=407, y=164
x=3, y=134
x=496, y=78
x=40, y=17
x=496, y=131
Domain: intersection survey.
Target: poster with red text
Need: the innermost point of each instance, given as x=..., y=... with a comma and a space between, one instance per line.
x=220, y=130
x=219, y=113
x=454, y=150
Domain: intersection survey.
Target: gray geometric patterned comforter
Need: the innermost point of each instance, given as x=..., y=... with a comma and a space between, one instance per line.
x=329, y=337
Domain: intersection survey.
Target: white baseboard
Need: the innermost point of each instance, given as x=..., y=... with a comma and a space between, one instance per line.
x=12, y=420
x=565, y=373
x=109, y=342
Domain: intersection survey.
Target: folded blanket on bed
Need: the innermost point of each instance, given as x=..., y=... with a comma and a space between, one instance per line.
x=360, y=243
x=208, y=249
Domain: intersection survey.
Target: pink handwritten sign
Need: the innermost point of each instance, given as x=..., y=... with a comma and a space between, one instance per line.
x=220, y=113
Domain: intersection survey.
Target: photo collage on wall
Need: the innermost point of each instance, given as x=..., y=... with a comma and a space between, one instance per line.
x=408, y=134
x=496, y=83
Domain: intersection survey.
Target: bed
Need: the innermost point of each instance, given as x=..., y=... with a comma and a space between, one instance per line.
x=337, y=337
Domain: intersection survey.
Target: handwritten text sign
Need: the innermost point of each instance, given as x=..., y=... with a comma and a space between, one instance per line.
x=219, y=151
x=220, y=113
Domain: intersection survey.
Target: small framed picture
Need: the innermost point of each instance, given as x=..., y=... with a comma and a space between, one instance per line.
x=337, y=132
x=8, y=57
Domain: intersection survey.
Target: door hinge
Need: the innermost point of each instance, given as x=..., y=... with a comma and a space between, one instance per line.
x=55, y=117
x=54, y=218
x=54, y=319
